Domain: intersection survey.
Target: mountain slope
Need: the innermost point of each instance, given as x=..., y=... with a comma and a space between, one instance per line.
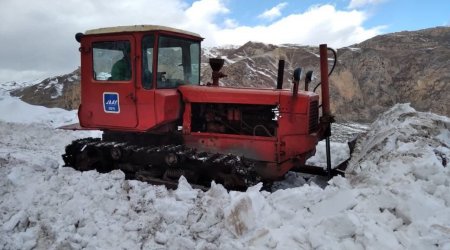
x=59, y=91
x=395, y=68
x=369, y=77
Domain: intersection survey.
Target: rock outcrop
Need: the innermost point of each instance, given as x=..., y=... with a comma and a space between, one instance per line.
x=403, y=67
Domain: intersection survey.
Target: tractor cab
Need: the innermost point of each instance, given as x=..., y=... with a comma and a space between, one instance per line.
x=129, y=75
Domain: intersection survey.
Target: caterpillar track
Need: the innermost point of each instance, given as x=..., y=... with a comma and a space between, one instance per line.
x=161, y=165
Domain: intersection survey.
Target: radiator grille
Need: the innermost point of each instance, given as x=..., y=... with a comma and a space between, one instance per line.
x=313, y=116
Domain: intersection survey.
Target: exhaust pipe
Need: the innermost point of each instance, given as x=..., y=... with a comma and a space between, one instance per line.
x=324, y=80
x=280, y=74
x=216, y=65
x=326, y=118
x=296, y=80
x=308, y=79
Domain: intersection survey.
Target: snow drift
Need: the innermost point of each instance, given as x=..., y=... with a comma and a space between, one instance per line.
x=395, y=196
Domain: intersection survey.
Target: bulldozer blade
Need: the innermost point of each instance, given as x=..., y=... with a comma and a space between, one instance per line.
x=337, y=170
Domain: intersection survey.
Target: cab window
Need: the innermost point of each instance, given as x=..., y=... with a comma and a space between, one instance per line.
x=178, y=62
x=111, y=61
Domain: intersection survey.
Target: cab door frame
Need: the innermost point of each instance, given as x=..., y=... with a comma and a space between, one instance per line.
x=107, y=104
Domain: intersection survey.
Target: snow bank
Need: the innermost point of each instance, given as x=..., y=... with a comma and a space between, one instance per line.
x=406, y=156
x=15, y=110
x=396, y=196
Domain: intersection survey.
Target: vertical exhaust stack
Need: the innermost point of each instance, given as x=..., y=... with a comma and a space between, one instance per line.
x=216, y=65
x=308, y=79
x=324, y=80
x=280, y=74
x=296, y=80
x=326, y=118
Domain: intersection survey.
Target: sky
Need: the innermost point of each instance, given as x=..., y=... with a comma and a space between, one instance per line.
x=37, y=37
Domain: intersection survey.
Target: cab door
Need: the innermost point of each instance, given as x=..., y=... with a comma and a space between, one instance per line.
x=109, y=82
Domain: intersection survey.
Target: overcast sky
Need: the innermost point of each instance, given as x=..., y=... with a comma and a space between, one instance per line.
x=37, y=37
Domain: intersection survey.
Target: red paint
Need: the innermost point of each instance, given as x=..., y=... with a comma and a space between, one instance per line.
x=230, y=95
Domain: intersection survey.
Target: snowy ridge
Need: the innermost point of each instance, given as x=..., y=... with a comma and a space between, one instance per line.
x=9, y=86
x=59, y=91
x=396, y=196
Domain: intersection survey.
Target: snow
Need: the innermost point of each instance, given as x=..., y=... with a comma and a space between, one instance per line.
x=73, y=78
x=395, y=195
x=16, y=111
x=213, y=52
x=52, y=83
x=103, y=76
x=8, y=86
x=229, y=61
x=315, y=54
x=353, y=49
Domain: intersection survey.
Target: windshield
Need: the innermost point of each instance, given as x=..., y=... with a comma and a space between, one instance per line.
x=178, y=62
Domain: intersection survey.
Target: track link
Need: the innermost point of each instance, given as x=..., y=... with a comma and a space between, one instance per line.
x=161, y=164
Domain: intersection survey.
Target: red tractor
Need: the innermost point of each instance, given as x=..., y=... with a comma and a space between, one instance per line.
x=140, y=85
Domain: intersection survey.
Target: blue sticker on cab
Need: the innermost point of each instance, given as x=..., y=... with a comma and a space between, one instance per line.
x=111, y=102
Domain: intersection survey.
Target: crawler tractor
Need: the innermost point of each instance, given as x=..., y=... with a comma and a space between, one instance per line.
x=140, y=85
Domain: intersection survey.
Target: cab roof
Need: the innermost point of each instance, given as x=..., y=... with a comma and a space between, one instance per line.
x=138, y=28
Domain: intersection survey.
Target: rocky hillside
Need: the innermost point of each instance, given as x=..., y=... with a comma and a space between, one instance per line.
x=256, y=64
x=396, y=68
x=369, y=77
x=59, y=91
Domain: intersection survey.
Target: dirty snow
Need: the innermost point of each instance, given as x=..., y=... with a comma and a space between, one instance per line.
x=396, y=196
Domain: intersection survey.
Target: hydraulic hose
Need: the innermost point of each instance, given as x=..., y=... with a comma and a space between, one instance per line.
x=332, y=67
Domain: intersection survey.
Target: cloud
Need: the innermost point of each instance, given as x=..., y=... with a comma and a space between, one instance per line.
x=38, y=36
x=355, y=4
x=202, y=16
x=273, y=13
x=319, y=24
x=231, y=23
